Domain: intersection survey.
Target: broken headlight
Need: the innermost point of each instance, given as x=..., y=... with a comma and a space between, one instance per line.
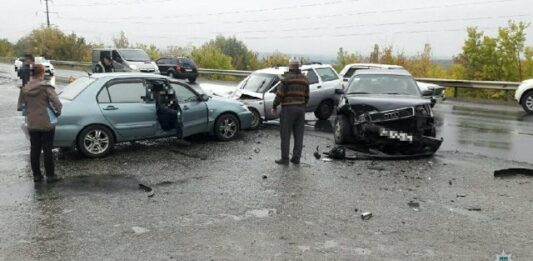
x=424, y=110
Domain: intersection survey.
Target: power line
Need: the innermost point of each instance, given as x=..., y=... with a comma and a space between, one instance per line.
x=47, y=14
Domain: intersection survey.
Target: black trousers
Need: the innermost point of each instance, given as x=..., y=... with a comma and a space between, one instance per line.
x=42, y=141
x=292, y=120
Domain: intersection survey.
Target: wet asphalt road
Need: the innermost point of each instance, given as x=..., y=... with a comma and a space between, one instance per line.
x=227, y=201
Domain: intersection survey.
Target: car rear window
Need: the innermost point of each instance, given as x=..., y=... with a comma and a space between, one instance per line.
x=71, y=91
x=327, y=74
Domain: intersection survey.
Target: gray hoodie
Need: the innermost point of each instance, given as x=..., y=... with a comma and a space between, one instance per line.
x=38, y=95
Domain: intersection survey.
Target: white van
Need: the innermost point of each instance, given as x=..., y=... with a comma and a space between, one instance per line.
x=126, y=60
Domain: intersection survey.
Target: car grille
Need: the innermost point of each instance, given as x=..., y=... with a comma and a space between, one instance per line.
x=392, y=115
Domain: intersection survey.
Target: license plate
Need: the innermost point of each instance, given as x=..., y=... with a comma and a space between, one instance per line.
x=188, y=70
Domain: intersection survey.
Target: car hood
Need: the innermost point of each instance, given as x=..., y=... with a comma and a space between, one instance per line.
x=244, y=94
x=386, y=102
x=214, y=100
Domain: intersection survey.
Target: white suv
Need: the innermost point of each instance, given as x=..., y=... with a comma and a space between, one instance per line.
x=258, y=91
x=350, y=69
x=524, y=95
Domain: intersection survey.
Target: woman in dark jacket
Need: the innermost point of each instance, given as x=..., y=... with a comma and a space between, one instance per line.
x=38, y=96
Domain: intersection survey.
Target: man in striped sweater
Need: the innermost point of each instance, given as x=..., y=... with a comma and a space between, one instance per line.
x=292, y=95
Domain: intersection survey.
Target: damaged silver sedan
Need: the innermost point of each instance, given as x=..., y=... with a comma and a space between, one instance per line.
x=385, y=112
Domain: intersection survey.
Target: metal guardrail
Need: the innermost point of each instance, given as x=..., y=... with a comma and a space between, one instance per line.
x=456, y=84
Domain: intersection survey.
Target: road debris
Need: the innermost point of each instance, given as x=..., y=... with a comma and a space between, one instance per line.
x=338, y=152
x=327, y=159
x=474, y=209
x=366, y=215
x=257, y=150
x=512, y=172
x=317, y=153
x=147, y=189
x=265, y=177
x=140, y=230
x=413, y=204
x=461, y=195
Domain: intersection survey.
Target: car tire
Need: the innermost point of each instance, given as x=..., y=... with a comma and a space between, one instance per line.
x=226, y=127
x=192, y=79
x=324, y=110
x=171, y=74
x=342, y=130
x=527, y=102
x=256, y=120
x=95, y=141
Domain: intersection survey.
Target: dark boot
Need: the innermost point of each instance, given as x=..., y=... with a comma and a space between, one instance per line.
x=282, y=161
x=52, y=179
x=295, y=160
x=38, y=178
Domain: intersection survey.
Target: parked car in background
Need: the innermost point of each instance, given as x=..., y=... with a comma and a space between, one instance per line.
x=178, y=67
x=48, y=67
x=349, y=70
x=432, y=91
x=385, y=111
x=258, y=91
x=524, y=95
x=126, y=60
x=18, y=63
x=104, y=109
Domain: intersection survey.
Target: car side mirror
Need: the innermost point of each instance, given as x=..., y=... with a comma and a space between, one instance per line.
x=204, y=97
x=427, y=93
x=345, y=79
x=339, y=91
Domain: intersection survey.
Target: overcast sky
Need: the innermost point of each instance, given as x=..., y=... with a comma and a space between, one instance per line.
x=313, y=27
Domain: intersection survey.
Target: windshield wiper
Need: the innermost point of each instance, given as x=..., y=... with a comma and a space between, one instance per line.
x=393, y=93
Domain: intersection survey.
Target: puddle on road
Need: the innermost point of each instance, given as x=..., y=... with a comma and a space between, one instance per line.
x=15, y=194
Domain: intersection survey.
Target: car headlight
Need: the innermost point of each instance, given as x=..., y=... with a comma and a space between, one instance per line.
x=134, y=67
x=244, y=107
x=237, y=94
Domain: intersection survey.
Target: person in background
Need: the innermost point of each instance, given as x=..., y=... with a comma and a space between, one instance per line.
x=105, y=65
x=38, y=96
x=24, y=73
x=292, y=95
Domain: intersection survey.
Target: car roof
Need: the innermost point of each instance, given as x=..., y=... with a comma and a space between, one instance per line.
x=121, y=75
x=282, y=69
x=376, y=65
x=382, y=72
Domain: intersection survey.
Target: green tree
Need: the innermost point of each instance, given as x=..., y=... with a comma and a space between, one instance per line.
x=210, y=57
x=52, y=43
x=7, y=49
x=121, y=41
x=527, y=64
x=242, y=58
x=344, y=58
x=275, y=59
x=494, y=58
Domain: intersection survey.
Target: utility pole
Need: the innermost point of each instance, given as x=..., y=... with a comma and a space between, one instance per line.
x=47, y=14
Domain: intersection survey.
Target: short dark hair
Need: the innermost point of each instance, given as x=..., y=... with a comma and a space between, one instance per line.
x=29, y=57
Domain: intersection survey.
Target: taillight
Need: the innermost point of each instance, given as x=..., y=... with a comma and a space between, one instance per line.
x=178, y=68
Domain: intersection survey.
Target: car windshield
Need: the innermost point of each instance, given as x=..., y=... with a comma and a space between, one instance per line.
x=134, y=55
x=257, y=82
x=71, y=91
x=383, y=84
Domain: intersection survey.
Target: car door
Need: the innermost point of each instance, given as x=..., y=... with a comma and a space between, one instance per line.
x=194, y=111
x=268, y=99
x=122, y=103
x=314, y=87
x=162, y=64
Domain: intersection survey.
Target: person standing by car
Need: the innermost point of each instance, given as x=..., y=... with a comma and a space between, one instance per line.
x=293, y=96
x=24, y=73
x=39, y=97
x=105, y=65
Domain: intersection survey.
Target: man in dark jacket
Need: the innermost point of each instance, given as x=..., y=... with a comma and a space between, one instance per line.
x=293, y=95
x=24, y=72
x=38, y=96
x=104, y=66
